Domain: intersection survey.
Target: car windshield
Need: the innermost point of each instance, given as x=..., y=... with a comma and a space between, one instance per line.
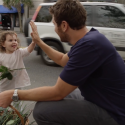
x=43, y=14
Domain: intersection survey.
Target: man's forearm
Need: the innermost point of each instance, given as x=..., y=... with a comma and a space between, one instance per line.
x=39, y=94
x=56, y=56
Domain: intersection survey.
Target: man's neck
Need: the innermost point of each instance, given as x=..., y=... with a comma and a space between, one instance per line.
x=76, y=35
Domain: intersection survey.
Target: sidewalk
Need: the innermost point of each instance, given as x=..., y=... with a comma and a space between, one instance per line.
x=17, y=30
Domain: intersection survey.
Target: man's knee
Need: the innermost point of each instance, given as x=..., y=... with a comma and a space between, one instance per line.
x=44, y=110
x=39, y=110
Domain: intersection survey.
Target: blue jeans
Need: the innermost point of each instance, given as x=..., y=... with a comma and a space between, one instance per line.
x=73, y=110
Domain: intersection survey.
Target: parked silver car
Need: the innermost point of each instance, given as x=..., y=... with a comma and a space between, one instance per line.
x=108, y=18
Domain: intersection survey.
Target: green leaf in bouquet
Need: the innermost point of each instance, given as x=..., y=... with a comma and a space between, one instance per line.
x=9, y=76
x=3, y=69
x=6, y=75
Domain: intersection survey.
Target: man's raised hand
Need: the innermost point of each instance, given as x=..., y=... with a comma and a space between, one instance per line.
x=34, y=33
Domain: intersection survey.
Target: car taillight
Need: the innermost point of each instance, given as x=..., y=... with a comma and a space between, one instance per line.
x=36, y=13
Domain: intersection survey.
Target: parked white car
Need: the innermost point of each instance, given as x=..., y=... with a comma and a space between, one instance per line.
x=108, y=18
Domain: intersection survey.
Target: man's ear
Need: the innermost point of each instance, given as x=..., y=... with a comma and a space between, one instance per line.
x=64, y=26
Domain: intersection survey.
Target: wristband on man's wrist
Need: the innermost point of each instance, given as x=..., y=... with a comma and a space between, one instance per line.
x=15, y=97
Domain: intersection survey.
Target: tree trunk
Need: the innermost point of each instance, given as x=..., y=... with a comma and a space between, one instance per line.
x=18, y=7
x=20, y=22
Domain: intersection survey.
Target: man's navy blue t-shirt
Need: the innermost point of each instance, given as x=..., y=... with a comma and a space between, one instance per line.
x=98, y=70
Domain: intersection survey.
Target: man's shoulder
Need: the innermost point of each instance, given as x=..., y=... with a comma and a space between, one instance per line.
x=91, y=38
x=94, y=37
x=94, y=34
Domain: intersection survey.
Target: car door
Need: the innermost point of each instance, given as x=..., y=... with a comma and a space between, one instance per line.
x=110, y=21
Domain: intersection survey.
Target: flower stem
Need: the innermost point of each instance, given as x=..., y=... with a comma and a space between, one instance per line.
x=17, y=69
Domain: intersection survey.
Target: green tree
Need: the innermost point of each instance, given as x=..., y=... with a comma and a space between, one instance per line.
x=17, y=5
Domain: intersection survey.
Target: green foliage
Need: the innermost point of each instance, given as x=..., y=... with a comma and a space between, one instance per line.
x=9, y=117
x=6, y=72
x=14, y=3
x=17, y=5
x=5, y=116
x=11, y=122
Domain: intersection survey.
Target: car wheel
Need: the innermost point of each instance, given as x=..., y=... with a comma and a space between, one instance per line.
x=26, y=27
x=45, y=57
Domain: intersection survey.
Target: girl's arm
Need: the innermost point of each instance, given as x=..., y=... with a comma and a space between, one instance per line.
x=31, y=47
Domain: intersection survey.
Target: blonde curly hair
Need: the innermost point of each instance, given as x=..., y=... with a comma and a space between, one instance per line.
x=3, y=35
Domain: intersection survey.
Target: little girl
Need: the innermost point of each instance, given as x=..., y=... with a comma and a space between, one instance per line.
x=11, y=56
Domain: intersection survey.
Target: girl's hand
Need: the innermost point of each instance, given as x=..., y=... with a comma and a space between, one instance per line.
x=33, y=42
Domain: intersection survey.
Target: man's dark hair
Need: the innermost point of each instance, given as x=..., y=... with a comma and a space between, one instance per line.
x=71, y=11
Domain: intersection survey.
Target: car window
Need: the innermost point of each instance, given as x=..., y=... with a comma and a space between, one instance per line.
x=89, y=15
x=44, y=15
x=109, y=16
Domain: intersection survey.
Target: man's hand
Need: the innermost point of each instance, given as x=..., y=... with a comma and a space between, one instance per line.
x=34, y=33
x=6, y=98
